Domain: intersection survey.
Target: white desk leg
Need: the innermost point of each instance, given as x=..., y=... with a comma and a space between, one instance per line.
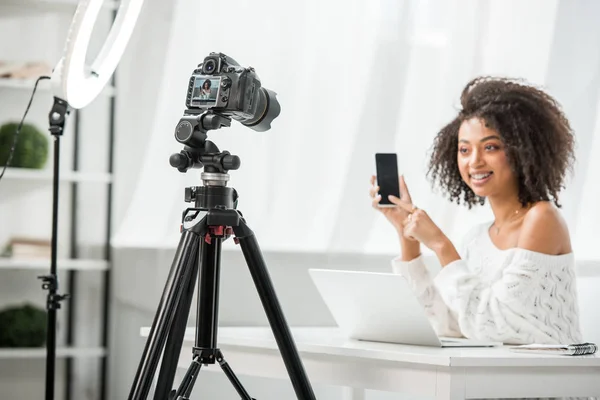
x=353, y=394
x=450, y=385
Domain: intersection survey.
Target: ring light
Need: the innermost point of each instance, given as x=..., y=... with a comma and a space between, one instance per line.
x=73, y=81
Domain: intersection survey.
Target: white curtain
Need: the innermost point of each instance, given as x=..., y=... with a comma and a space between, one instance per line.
x=356, y=77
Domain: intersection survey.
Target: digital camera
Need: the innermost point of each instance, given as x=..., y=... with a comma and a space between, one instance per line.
x=221, y=85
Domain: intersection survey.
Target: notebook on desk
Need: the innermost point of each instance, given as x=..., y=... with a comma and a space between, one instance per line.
x=580, y=349
x=380, y=307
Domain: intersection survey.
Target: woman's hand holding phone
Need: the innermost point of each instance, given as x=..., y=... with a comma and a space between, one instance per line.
x=397, y=216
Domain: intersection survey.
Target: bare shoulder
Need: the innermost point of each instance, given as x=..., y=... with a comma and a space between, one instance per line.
x=544, y=230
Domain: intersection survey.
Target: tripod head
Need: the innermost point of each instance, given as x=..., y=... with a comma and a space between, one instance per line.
x=199, y=152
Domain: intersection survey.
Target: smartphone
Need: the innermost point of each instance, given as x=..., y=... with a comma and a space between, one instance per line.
x=387, y=177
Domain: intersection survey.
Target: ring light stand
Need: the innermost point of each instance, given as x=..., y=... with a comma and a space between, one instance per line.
x=75, y=85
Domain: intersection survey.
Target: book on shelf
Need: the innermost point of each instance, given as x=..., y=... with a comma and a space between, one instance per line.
x=28, y=248
x=23, y=70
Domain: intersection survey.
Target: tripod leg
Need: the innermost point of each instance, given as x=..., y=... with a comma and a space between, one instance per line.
x=232, y=378
x=266, y=292
x=175, y=338
x=183, y=263
x=187, y=383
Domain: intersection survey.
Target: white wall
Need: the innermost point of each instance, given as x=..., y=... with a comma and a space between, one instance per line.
x=429, y=52
x=138, y=74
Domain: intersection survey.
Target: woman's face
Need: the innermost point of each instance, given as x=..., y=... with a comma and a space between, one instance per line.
x=482, y=160
x=205, y=86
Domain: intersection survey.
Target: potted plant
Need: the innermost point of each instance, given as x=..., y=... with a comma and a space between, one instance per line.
x=31, y=150
x=22, y=326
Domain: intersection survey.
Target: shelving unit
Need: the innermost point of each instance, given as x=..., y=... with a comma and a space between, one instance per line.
x=73, y=265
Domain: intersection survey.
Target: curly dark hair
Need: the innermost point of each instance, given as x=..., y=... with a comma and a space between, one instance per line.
x=537, y=136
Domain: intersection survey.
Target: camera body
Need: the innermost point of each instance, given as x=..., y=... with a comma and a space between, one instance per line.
x=221, y=85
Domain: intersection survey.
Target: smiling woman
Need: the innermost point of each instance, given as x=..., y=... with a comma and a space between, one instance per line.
x=512, y=145
x=513, y=280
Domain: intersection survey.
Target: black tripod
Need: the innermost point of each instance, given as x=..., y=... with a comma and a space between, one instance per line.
x=213, y=219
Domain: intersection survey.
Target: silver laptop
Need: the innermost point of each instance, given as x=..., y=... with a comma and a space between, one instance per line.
x=380, y=307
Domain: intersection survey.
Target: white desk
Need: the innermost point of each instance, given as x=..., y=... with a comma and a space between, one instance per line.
x=444, y=374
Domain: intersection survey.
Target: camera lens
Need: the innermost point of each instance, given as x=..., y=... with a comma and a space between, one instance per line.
x=267, y=110
x=209, y=66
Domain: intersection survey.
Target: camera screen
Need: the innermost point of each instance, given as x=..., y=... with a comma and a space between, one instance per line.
x=206, y=90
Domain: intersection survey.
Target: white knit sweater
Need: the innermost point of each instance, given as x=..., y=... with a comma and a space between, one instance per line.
x=514, y=296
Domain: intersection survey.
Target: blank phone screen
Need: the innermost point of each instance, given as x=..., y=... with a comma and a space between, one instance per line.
x=387, y=176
